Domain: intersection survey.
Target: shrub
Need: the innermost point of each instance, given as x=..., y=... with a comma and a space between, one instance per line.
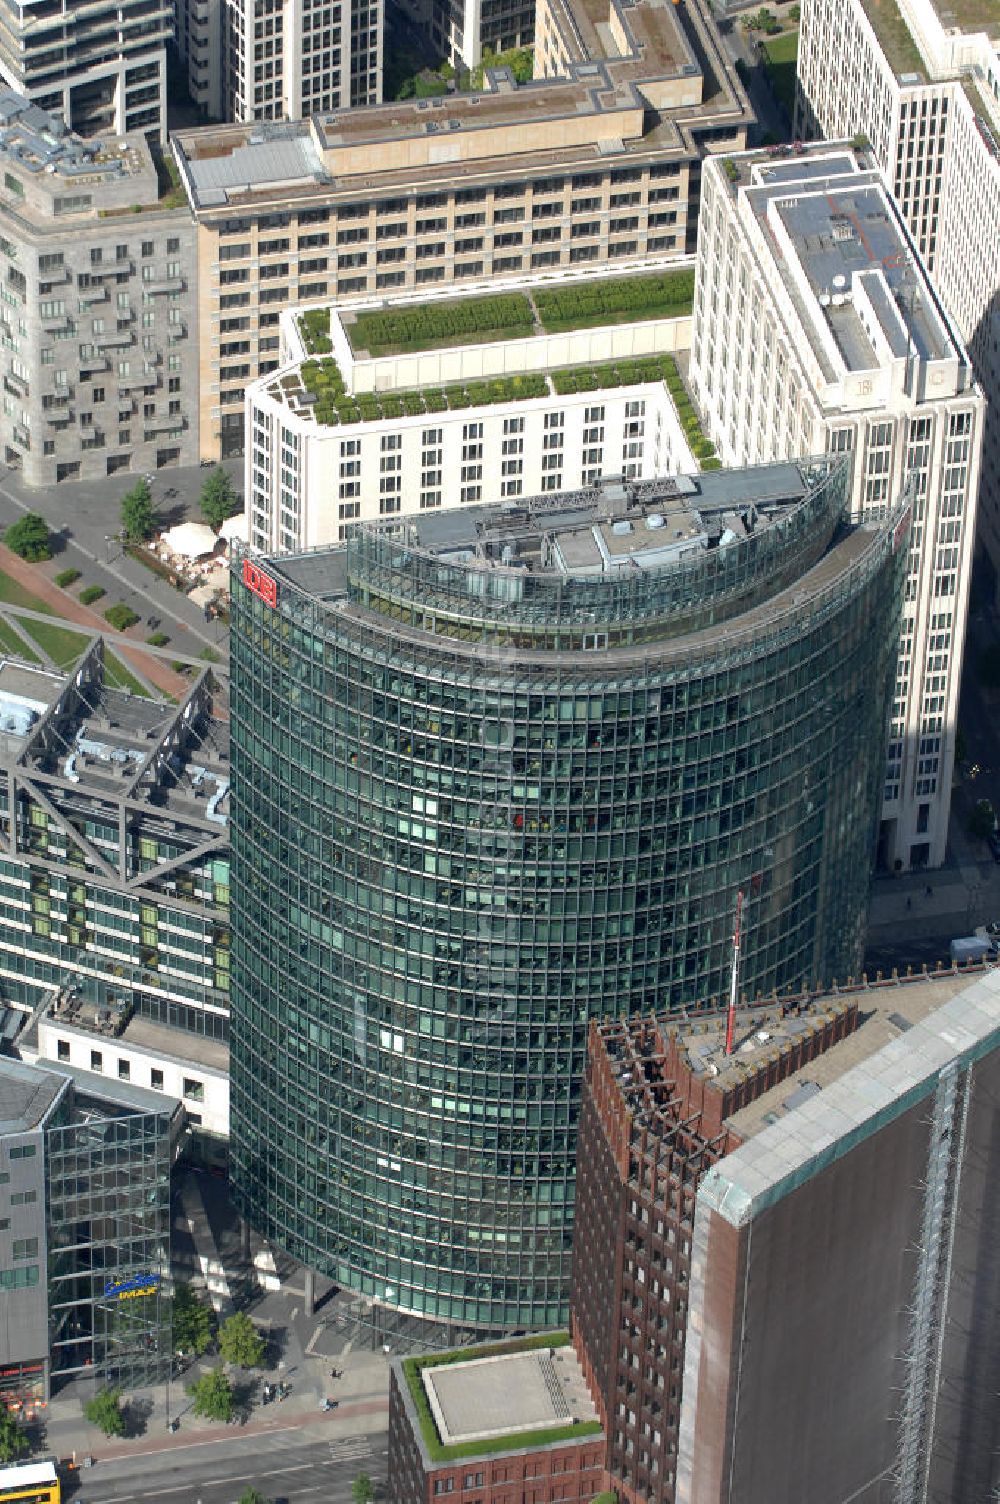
x=121, y=617
x=91, y=594
x=383, y=331
x=28, y=537
x=315, y=327
x=67, y=577
x=666, y=295
x=158, y=639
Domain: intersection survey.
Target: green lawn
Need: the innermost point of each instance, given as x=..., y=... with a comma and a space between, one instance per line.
x=119, y=677
x=13, y=642
x=61, y=644
x=14, y=594
x=780, y=55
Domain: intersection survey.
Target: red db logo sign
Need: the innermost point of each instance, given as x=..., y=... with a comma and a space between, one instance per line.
x=260, y=583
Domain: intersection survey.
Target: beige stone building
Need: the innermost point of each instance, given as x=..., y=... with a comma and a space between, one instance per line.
x=598, y=161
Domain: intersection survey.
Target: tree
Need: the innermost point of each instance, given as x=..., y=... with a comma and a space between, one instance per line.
x=138, y=513
x=218, y=498
x=192, y=1322
x=362, y=1489
x=251, y=1496
x=13, y=1442
x=105, y=1412
x=213, y=1396
x=240, y=1342
x=29, y=538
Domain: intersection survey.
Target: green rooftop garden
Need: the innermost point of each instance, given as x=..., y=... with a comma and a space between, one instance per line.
x=515, y=315
x=334, y=404
x=901, y=51
x=633, y=373
x=622, y=300
x=315, y=327
x=426, y=326
x=438, y=1450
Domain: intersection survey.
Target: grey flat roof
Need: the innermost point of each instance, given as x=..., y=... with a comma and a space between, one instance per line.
x=27, y=1095
x=865, y=1082
x=265, y=160
x=850, y=244
x=507, y=1392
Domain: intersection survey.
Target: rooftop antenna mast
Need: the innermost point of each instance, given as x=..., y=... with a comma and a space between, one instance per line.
x=734, y=983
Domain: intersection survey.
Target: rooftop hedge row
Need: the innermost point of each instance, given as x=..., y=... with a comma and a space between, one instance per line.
x=577, y=305
x=423, y=325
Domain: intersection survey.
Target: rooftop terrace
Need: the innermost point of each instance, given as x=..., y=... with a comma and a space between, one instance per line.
x=505, y=1396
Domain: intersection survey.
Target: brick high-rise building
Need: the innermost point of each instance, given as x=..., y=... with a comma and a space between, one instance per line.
x=778, y=1253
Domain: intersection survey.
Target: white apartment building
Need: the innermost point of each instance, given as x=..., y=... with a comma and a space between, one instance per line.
x=921, y=79
x=101, y=66
x=281, y=59
x=462, y=425
x=815, y=327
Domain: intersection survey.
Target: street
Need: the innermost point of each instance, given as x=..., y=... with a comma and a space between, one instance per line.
x=287, y=1464
x=85, y=515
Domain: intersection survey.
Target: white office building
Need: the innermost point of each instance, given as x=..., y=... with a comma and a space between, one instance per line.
x=348, y=436
x=280, y=59
x=815, y=327
x=921, y=80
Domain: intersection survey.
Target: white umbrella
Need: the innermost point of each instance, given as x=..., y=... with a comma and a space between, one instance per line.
x=191, y=539
x=235, y=527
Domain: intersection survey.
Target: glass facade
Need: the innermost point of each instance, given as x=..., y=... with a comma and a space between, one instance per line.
x=108, y=1207
x=473, y=811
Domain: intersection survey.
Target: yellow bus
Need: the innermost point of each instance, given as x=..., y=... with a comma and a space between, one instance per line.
x=29, y=1483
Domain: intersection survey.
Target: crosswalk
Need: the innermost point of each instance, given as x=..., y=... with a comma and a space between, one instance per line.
x=350, y=1448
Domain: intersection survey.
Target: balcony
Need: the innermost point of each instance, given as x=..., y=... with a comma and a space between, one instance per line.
x=165, y=284
x=117, y=341
x=89, y=296
x=94, y=363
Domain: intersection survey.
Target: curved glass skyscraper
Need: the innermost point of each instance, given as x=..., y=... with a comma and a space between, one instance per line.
x=500, y=771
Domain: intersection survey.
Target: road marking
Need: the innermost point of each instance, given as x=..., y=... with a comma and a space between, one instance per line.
x=314, y=1338
x=277, y=1472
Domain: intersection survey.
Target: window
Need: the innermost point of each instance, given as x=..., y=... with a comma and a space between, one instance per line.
x=193, y=1090
x=25, y=1248
x=19, y=1151
x=156, y=1079
x=96, y=1060
x=62, y=1049
x=23, y=1198
x=124, y=1070
x=19, y=1279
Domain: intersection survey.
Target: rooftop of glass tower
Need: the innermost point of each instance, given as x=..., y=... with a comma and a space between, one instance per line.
x=617, y=565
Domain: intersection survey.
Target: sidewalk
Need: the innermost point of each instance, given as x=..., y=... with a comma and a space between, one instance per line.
x=30, y=577
x=68, y=1437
